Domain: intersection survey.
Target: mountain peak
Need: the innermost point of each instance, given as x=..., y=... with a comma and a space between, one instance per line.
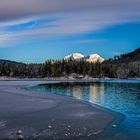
x=89, y=58
x=74, y=56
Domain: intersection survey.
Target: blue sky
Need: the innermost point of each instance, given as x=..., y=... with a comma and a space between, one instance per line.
x=55, y=28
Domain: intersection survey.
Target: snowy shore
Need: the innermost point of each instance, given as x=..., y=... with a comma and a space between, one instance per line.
x=47, y=116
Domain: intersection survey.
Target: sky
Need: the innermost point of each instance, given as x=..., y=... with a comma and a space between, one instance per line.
x=32, y=31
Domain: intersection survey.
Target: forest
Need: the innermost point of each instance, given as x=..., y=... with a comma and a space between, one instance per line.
x=123, y=66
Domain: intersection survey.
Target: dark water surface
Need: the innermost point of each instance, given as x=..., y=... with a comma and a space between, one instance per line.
x=118, y=95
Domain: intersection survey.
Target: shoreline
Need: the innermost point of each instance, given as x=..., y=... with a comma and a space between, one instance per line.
x=61, y=79
x=110, y=116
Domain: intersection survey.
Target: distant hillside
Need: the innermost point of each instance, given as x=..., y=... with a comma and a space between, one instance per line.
x=129, y=57
x=127, y=65
x=10, y=62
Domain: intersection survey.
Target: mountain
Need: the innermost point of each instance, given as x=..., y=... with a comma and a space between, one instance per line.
x=94, y=58
x=74, y=56
x=126, y=65
x=79, y=57
x=2, y=61
x=123, y=67
x=133, y=56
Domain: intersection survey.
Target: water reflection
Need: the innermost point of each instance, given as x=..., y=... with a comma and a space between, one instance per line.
x=96, y=92
x=77, y=92
x=92, y=92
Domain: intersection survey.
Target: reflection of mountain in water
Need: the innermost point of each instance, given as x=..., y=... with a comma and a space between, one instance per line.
x=96, y=92
x=92, y=93
x=77, y=92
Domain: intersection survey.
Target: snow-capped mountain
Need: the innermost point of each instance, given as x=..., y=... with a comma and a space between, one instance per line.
x=74, y=56
x=94, y=58
x=90, y=58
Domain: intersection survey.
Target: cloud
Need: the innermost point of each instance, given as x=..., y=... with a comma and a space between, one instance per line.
x=5, y=39
x=17, y=9
x=30, y=18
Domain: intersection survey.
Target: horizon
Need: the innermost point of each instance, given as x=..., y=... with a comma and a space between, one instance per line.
x=52, y=29
x=65, y=56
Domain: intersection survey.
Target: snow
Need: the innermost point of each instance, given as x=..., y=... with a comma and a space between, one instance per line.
x=90, y=58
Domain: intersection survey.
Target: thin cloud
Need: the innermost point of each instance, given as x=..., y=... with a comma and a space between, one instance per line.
x=24, y=18
x=12, y=9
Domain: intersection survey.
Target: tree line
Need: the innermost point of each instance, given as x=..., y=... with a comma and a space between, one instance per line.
x=118, y=67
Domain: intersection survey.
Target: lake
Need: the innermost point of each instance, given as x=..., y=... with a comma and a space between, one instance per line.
x=118, y=95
